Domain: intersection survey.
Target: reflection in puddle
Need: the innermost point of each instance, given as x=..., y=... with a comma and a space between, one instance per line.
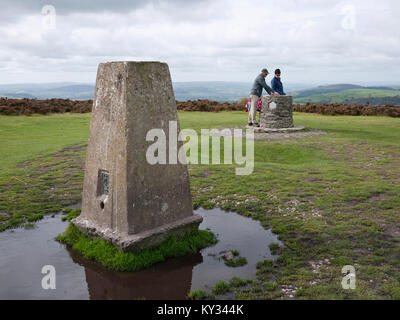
x=168, y=280
x=25, y=252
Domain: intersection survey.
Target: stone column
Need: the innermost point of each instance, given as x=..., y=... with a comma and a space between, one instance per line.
x=276, y=112
x=126, y=200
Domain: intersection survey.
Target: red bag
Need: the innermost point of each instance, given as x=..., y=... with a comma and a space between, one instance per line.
x=247, y=106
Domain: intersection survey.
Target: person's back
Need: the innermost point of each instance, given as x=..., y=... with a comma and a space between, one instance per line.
x=258, y=85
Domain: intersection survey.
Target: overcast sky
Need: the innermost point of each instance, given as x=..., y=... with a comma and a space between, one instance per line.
x=312, y=41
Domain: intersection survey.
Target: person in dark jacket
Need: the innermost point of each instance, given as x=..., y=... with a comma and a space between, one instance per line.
x=258, y=85
x=276, y=83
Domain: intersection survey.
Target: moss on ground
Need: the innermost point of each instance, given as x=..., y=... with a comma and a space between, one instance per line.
x=221, y=287
x=44, y=185
x=239, y=282
x=236, y=262
x=70, y=214
x=199, y=295
x=274, y=248
x=113, y=258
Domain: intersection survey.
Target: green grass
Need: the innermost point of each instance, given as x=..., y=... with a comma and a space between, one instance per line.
x=109, y=256
x=23, y=137
x=266, y=265
x=236, y=262
x=332, y=199
x=221, y=287
x=198, y=295
x=205, y=120
x=70, y=214
x=238, y=282
x=39, y=173
x=274, y=248
x=35, y=217
x=375, y=130
x=270, y=286
x=344, y=95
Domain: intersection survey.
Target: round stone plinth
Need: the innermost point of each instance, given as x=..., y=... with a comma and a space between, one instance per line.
x=276, y=112
x=263, y=129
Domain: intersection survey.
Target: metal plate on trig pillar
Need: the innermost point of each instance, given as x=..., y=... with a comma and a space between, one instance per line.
x=103, y=183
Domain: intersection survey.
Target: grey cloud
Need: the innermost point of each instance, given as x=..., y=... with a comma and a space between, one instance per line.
x=16, y=7
x=202, y=40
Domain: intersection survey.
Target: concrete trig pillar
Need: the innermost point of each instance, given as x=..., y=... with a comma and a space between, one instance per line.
x=126, y=200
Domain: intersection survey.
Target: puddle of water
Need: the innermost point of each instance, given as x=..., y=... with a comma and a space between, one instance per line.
x=25, y=252
x=234, y=232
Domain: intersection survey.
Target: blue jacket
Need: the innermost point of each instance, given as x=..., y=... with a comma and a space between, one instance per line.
x=258, y=85
x=277, y=86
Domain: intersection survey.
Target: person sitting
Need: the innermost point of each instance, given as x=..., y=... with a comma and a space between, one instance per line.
x=276, y=83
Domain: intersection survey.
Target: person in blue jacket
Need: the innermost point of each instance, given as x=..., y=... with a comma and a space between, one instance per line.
x=276, y=83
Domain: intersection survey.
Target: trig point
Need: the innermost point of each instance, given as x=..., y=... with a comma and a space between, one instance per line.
x=276, y=115
x=276, y=112
x=126, y=200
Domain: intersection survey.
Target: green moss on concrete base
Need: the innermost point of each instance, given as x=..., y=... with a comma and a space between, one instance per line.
x=113, y=258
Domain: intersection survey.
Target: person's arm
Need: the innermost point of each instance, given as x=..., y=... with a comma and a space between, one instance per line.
x=266, y=87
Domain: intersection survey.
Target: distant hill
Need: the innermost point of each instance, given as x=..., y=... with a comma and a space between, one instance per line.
x=325, y=89
x=218, y=90
x=221, y=91
x=17, y=95
x=349, y=93
x=48, y=90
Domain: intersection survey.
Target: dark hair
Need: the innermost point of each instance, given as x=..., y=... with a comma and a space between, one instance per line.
x=278, y=71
